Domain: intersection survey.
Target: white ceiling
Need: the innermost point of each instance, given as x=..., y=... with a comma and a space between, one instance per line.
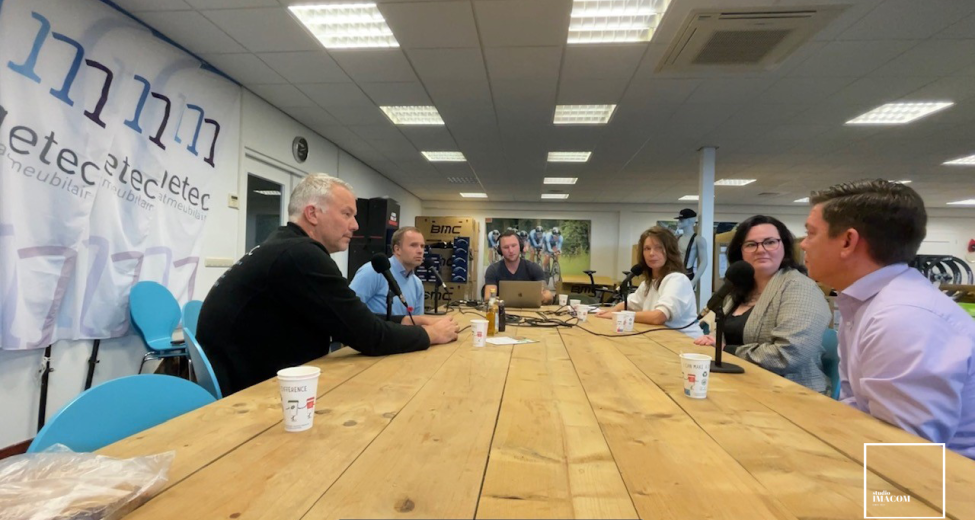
x=495, y=69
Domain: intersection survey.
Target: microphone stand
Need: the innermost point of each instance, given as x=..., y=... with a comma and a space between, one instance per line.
x=716, y=364
x=625, y=290
x=389, y=305
x=436, y=301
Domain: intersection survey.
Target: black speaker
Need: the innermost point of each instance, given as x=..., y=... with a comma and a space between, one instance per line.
x=377, y=217
x=361, y=251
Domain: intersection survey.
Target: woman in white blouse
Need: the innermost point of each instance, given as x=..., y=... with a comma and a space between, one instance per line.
x=666, y=296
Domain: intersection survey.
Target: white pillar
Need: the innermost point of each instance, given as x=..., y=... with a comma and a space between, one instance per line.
x=705, y=217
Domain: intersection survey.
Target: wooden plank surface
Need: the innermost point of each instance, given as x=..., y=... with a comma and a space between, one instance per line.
x=549, y=458
x=671, y=467
x=204, y=435
x=429, y=462
x=846, y=429
x=789, y=461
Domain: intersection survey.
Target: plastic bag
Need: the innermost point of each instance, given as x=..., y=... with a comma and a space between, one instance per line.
x=58, y=483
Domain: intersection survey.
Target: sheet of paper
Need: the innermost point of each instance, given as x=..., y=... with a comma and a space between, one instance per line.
x=504, y=340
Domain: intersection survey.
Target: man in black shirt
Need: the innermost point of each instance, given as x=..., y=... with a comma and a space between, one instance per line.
x=286, y=300
x=513, y=267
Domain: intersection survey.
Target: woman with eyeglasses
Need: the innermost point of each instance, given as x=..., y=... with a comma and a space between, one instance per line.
x=666, y=296
x=777, y=323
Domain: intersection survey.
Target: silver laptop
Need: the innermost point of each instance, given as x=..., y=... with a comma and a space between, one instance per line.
x=521, y=295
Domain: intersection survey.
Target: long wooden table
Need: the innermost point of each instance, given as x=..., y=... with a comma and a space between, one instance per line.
x=573, y=426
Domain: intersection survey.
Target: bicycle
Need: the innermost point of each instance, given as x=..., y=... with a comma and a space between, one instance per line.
x=555, y=274
x=538, y=255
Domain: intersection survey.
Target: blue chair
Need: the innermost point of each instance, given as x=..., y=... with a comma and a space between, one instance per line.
x=117, y=409
x=831, y=360
x=155, y=314
x=201, y=366
x=191, y=315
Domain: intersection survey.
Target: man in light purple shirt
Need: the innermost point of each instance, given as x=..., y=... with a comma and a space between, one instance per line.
x=907, y=351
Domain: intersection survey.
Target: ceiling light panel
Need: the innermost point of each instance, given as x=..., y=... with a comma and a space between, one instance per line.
x=690, y=197
x=568, y=156
x=615, y=21
x=962, y=161
x=555, y=195
x=734, y=182
x=583, y=114
x=899, y=113
x=561, y=180
x=802, y=200
x=346, y=26
x=413, y=115
x=444, y=156
x=968, y=202
x=473, y=195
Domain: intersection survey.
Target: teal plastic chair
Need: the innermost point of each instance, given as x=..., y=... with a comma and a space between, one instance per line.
x=155, y=314
x=117, y=409
x=191, y=315
x=831, y=360
x=201, y=366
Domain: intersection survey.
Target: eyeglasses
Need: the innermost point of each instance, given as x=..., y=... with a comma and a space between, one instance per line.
x=769, y=244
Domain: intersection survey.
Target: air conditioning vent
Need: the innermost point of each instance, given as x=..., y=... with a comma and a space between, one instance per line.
x=743, y=40
x=461, y=180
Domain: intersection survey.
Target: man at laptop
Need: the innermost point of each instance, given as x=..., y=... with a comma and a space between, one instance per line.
x=513, y=267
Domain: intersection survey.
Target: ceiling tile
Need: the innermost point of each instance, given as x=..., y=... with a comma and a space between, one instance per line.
x=231, y=4
x=244, y=68
x=591, y=92
x=523, y=63
x=264, y=30
x=137, y=6
x=192, y=30
x=448, y=64
x=517, y=23
x=908, y=19
x=610, y=61
x=374, y=65
x=337, y=95
x=396, y=94
x=305, y=67
x=419, y=25
x=314, y=117
x=931, y=58
x=282, y=96
x=851, y=58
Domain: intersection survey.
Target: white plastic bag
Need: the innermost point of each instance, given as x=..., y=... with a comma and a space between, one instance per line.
x=58, y=483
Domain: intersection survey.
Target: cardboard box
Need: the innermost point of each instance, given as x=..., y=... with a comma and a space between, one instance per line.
x=436, y=229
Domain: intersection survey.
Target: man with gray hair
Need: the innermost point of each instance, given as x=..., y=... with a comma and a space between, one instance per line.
x=286, y=300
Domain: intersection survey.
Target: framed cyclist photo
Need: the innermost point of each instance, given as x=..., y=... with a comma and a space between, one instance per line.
x=561, y=247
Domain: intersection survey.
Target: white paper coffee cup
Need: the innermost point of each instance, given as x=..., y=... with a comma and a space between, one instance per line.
x=582, y=312
x=563, y=299
x=479, y=332
x=299, y=390
x=630, y=320
x=620, y=319
x=574, y=306
x=695, y=369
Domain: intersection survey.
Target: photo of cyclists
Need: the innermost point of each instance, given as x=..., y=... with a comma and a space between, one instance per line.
x=560, y=246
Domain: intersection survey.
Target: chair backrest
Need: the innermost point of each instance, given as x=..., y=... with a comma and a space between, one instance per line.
x=155, y=313
x=117, y=409
x=201, y=365
x=831, y=360
x=191, y=315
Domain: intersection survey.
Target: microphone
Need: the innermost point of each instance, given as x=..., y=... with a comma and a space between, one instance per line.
x=380, y=264
x=740, y=274
x=433, y=269
x=635, y=271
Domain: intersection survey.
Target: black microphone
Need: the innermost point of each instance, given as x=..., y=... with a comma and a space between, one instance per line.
x=740, y=274
x=380, y=264
x=432, y=269
x=635, y=271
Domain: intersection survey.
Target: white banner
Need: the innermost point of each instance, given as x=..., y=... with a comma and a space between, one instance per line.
x=109, y=138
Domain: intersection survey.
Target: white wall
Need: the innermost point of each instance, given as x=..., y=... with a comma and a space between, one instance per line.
x=616, y=227
x=266, y=135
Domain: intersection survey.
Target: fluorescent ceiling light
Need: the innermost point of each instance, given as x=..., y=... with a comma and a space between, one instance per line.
x=568, y=156
x=413, y=115
x=802, y=200
x=968, y=202
x=346, y=26
x=734, y=182
x=444, y=156
x=902, y=182
x=474, y=195
x=555, y=195
x=583, y=114
x=899, y=113
x=690, y=197
x=268, y=192
x=962, y=161
x=614, y=21
x=560, y=180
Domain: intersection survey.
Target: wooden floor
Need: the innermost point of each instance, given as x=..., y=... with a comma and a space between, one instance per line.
x=574, y=426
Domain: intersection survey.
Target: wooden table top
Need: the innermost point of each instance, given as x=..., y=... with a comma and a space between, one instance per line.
x=573, y=426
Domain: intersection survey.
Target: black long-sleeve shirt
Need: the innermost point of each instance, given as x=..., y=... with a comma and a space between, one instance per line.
x=281, y=305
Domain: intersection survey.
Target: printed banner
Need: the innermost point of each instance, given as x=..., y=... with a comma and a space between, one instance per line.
x=560, y=246
x=109, y=138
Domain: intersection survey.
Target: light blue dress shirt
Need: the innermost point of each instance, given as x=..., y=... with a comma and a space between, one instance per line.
x=371, y=288
x=907, y=356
